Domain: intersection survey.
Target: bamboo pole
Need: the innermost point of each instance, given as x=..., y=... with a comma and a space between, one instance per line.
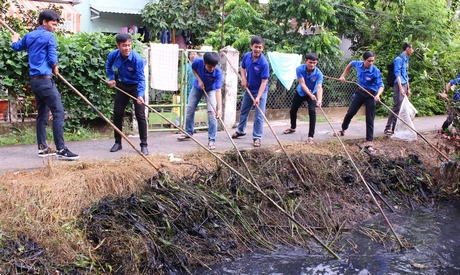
x=226, y=131
x=108, y=121
x=362, y=179
x=268, y=123
x=398, y=117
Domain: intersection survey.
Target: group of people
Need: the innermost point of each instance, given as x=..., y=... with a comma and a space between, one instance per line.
x=207, y=83
x=370, y=87
x=43, y=62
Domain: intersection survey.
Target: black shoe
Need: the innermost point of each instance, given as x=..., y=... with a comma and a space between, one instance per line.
x=65, y=154
x=144, y=150
x=116, y=147
x=45, y=153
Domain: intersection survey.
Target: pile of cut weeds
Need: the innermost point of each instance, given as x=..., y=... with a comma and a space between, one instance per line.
x=173, y=225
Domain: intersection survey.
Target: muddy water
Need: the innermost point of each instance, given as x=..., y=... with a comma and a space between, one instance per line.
x=434, y=234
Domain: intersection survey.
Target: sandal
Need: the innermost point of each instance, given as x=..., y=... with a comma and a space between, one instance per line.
x=183, y=137
x=388, y=132
x=237, y=135
x=256, y=142
x=289, y=131
x=211, y=146
x=310, y=140
x=340, y=133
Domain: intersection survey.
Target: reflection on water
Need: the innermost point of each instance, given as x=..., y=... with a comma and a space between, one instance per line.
x=434, y=233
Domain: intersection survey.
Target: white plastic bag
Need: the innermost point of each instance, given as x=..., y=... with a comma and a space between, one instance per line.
x=406, y=113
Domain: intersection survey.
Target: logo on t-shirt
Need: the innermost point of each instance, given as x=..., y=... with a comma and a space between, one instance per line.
x=130, y=69
x=256, y=68
x=368, y=78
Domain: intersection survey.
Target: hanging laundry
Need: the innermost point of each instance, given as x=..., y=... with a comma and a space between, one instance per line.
x=186, y=35
x=164, y=66
x=284, y=66
x=165, y=37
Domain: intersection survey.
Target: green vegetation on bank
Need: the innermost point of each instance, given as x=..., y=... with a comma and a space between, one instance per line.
x=28, y=135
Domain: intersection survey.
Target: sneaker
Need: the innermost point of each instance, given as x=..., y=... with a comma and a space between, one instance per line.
x=65, y=154
x=45, y=153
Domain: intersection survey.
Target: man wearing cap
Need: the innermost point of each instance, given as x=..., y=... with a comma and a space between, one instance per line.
x=401, y=85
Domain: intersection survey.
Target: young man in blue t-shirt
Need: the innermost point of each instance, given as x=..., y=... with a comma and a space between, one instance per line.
x=401, y=86
x=43, y=62
x=208, y=79
x=450, y=117
x=254, y=74
x=130, y=67
x=309, y=89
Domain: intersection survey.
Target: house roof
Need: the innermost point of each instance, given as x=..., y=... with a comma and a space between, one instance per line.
x=70, y=17
x=119, y=6
x=112, y=9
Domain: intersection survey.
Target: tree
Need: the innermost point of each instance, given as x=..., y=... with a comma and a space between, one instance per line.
x=242, y=21
x=82, y=59
x=198, y=16
x=432, y=26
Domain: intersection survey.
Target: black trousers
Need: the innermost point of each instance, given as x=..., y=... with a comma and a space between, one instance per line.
x=121, y=101
x=296, y=102
x=360, y=98
x=397, y=102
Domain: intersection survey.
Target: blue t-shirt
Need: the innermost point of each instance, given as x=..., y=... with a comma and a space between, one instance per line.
x=255, y=71
x=311, y=80
x=130, y=70
x=456, y=82
x=212, y=81
x=401, y=68
x=42, y=48
x=370, y=78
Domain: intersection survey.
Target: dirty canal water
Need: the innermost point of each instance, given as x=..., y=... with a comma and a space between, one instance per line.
x=432, y=232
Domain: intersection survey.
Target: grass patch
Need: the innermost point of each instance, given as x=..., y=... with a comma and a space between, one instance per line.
x=28, y=135
x=306, y=118
x=363, y=118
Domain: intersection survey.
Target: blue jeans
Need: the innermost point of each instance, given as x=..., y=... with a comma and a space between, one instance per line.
x=47, y=98
x=246, y=106
x=193, y=100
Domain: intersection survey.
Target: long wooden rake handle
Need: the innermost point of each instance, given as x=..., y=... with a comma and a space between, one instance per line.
x=108, y=121
x=364, y=181
x=228, y=134
x=6, y=26
x=268, y=123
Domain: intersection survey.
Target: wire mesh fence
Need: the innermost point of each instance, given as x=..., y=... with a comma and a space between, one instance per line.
x=335, y=93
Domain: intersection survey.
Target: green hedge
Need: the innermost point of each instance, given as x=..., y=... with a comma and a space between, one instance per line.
x=82, y=59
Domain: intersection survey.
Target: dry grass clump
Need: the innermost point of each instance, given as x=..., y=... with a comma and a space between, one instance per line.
x=44, y=204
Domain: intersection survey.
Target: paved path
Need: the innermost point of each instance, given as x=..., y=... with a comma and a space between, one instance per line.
x=20, y=157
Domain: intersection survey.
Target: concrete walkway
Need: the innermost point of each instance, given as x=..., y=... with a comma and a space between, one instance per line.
x=23, y=157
